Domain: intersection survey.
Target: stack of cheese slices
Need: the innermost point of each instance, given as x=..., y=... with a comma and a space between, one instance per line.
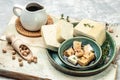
x=62, y=30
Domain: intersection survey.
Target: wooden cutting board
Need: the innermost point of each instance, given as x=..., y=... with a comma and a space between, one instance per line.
x=43, y=68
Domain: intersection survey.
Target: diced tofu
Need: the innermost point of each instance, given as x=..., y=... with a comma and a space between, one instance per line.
x=69, y=52
x=73, y=59
x=90, y=56
x=77, y=46
x=91, y=29
x=83, y=61
x=64, y=30
x=79, y=54
x=87, y=48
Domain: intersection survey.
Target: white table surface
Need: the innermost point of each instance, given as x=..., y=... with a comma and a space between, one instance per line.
x=105, y=11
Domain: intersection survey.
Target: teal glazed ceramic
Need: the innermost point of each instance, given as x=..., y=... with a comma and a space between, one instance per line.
x=104, y=63
x=69, y=43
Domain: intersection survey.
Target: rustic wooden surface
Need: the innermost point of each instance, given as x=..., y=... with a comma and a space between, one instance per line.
x=19, y=76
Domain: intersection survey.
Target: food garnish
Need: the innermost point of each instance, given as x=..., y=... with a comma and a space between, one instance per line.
x=13, y=52
x=62, y=16
x=105, y=52
x=35, y=60
x=4, y=50
x=88, y=25
x=29, y=61
x=67, y=18
x=21, y=64
x=13, y=57
x=19, y=59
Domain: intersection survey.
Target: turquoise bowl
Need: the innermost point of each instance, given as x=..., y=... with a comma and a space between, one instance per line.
x=68, y=43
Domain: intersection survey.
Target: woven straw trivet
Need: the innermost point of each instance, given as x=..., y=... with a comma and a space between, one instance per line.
x=27, y=33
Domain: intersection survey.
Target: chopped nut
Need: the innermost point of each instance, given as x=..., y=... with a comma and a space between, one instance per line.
x=20, y=64
x=22, y=51
x=24, y=54
x=35, y=57
x=116, y=35
x=13, y=52
x=13, y=57
x=32, y=59
x=19, y=59
x=35, y=60
x=29, y=61
x=110, y=30
x=27, y=51
x=4, y=50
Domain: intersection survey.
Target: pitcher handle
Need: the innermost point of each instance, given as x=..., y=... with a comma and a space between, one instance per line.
x=17, y=10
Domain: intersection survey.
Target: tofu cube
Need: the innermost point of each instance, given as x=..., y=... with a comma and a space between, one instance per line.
x=79, y=54
x=87, y=48
x=69, y=52
x=73, y=59
x=89, y=56
x=77, y=46
x=83, y=61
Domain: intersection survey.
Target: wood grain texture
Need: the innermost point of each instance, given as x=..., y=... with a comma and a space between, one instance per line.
x=19, y=76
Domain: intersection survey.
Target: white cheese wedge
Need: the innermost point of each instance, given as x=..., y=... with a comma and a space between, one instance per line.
x=91, y=29
x=64, y=30
x=49, y=35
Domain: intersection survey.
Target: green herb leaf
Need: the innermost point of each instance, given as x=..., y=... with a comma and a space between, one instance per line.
x=88, y=25
x=85, y=25
x=62, y=16
x=67, y=19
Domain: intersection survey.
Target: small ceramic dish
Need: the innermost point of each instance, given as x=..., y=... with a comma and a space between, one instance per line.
x=68, y=43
